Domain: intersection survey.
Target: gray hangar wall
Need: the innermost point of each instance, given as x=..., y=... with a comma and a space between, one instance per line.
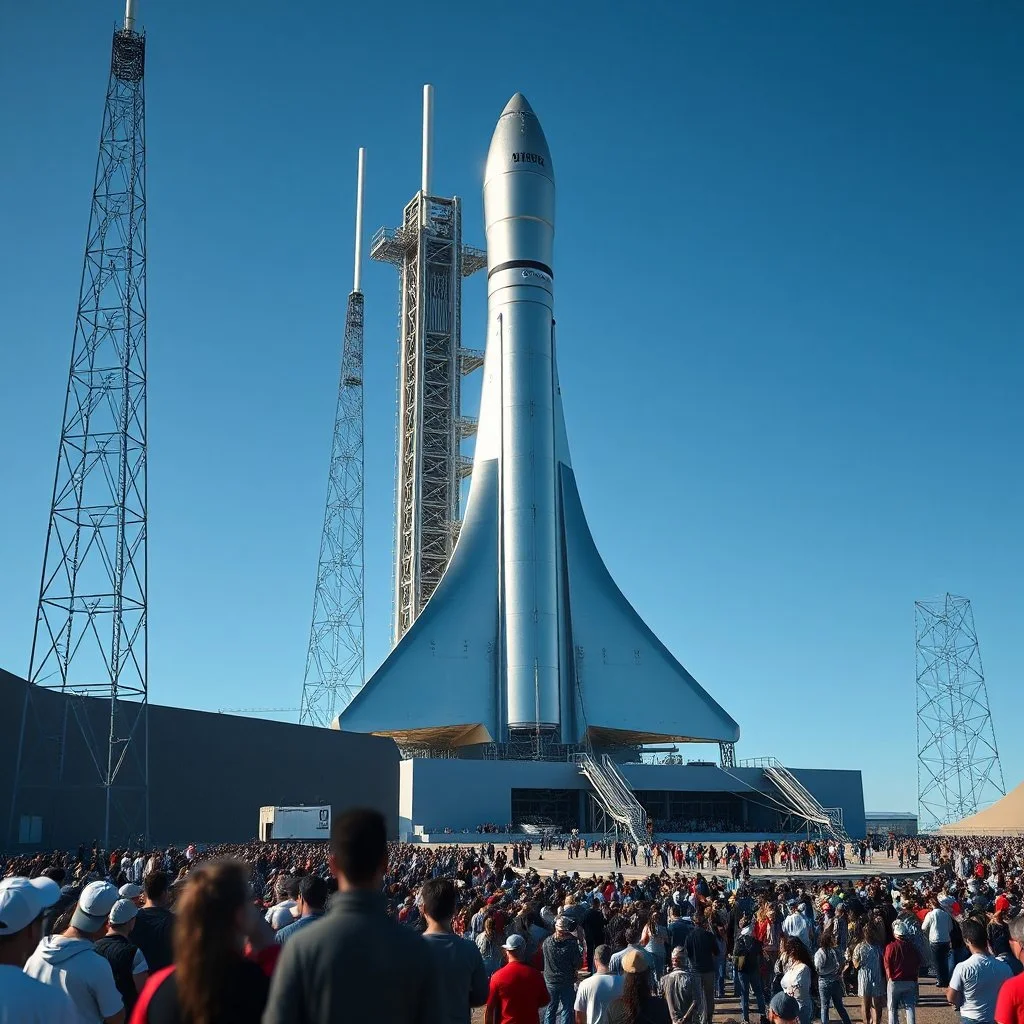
x=208, y=773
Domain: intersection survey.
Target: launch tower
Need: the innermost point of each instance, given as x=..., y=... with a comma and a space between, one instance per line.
x=427, y=249
x=90, y=637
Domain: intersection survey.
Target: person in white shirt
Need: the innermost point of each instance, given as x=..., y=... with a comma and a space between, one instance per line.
x=23, y=1000
x=69, y=962
x=599, y=991
x=284, y=912
x=975, y=982
x=937, y=927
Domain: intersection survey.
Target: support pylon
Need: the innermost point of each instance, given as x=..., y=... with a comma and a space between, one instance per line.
x=90, y=641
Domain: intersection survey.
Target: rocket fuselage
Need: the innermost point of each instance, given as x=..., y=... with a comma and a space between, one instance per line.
x=519, y=219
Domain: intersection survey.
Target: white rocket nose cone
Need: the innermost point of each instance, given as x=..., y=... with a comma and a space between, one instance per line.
x=518, y=105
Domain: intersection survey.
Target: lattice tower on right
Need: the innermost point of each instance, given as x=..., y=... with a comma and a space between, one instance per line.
x=958, y=767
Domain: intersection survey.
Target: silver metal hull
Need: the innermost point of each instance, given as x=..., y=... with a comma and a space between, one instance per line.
x=526, y=632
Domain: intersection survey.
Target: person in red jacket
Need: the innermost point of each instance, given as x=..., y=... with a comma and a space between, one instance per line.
x=902, y=967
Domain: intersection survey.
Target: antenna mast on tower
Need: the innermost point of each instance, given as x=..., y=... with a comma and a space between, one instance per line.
x=336, y=661
x=90, y=638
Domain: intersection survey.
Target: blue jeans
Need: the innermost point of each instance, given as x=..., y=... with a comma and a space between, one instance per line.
x=831, y=992
x=720, y=977
x=562, y=997
x=748, y=982
x=940, y=954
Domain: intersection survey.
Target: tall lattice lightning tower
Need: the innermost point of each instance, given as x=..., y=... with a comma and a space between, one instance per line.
x=958, y=768
x=432, y=261
x=336, y=661
x=90, y=636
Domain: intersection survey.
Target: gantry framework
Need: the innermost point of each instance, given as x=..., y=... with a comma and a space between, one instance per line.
x=958, y=767
x=90, y=637
x=432, y=261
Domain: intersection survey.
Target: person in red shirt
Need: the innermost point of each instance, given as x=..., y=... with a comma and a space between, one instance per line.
x=1010, y=1004
x=517, y=991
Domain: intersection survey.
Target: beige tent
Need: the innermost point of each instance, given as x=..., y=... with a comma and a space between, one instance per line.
x=1005, y=818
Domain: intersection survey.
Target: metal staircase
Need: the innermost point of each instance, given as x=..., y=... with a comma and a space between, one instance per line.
x=615, y=797
x=799, y=798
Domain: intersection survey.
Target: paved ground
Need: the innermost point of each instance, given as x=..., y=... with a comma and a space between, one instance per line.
x=551, y=859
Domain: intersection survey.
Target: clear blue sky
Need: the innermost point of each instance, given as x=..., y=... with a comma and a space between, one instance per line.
x=790, y=254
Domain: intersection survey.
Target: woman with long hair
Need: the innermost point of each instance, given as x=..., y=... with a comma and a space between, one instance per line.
x=490, y=945
x=797, y=970
x=654, y=939
x=211, y=981
x=867, y=958
x=637, y=1004
x=829, y=965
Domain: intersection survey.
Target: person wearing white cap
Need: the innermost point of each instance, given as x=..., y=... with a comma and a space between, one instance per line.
x=23, y=1000
x=70, y=962
x=126, y=960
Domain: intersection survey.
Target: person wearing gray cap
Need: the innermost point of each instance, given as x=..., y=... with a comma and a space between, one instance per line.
x=23, y=1000
x=783, y=1009
x=126, y=960
x=69, y=961
x=562, y=960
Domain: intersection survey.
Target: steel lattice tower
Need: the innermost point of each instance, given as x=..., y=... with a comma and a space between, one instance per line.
x=432, y=261
x=90, y=634
x=336, y=662
x=958, y=766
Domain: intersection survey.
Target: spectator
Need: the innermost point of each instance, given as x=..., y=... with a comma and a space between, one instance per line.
x=796, y=968
x=830, y=981
x=562, y=961
x=974, y=984
x=747, y=959
x=596, y=993
x=461, y=977
x=154, y=925
x=23, y=999
x=637, y=1005
x=902, y=963
x=517, y=992
x=632, y=937
x=678, y=990
x=69, y=961
x=937, y=927
x=125, y=958
x=1010, y=1004
x=490, y=947
x=311, y=905
x=594, y=930
x=345, y=968
x=701, y=948
x=283, y=913
x=783, y=1009
x=210, y=980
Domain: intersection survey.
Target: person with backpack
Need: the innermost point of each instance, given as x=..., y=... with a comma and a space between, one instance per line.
x=747, y=957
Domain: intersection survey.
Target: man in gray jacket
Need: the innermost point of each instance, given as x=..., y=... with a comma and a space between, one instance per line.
x=356, y=963
x=562, y=960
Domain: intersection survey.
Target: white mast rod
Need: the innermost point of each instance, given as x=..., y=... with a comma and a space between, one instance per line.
x=129, y=15
x=428, y=133
x=358, y=277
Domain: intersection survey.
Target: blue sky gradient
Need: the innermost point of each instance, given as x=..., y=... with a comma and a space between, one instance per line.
x=789, y=265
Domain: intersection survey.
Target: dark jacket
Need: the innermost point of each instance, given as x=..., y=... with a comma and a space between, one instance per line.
x=356, y=964
x=561, y=960
x=154, y=935
x=120, y=953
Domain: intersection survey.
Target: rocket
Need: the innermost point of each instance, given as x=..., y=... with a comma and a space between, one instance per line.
x=527, y=635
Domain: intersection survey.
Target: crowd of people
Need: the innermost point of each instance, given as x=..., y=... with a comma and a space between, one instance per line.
x=362, y=929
